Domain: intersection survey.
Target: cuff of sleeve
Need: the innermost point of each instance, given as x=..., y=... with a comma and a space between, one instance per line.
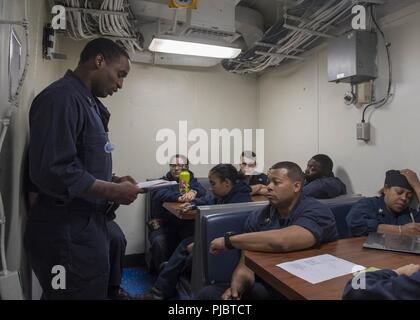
x=312, y=227
x=382, y=274
x=81, y=185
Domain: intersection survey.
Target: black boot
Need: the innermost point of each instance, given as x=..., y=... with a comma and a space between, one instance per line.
x=117, y=293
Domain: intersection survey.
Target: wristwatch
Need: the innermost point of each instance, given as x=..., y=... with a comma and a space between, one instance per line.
x=228, y=243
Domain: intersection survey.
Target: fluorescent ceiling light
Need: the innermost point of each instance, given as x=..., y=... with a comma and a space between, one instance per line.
x=193, y=48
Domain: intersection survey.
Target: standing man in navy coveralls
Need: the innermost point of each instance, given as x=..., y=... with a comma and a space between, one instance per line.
x=70, y=163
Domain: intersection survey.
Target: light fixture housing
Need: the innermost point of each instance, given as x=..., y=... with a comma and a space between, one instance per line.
x=193, y=47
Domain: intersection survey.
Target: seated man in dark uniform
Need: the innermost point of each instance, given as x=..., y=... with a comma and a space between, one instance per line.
x=290, y=222
x=320, y=182
x=166, y=230
x=226, y=187
x=256, y=180
x=389, y=213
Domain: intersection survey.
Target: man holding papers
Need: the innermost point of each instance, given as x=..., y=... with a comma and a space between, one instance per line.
x=290, y=222
x=70, y=163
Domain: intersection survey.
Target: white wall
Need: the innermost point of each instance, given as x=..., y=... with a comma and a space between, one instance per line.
x=154, y=98
x=303, y=114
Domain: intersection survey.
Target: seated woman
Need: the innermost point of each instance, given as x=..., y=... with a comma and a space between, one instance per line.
x=227, y=187
x=389, y=213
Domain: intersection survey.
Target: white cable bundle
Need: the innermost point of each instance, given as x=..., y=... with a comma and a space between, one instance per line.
x=117, y=25
x=84, y=25
x=319, y=21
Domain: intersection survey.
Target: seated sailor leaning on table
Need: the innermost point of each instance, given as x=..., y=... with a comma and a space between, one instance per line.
x=320, y=181
x=290, y=222
x=166, y=230
x=389, y=213
x=226, y=187
x=256, y=180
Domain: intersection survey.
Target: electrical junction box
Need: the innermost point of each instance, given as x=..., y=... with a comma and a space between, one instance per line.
x=363, y=131
x=352, y=57
x=364, y=93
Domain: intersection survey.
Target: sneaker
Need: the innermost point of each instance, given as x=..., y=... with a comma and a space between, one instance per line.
x=153, y=294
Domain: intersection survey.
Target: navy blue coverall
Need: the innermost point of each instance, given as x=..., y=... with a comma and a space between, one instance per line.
x=365, y=216
x=324, y=188
x=307, y=213
x=169, y=231
x=68, y=150
x=180, y=260
x=385, y=285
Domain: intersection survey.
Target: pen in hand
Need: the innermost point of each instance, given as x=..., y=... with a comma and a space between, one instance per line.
x=412, y=217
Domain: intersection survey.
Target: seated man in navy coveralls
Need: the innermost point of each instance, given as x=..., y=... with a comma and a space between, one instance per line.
x=166, y=230
x=290, y=222
x=389, y=213
x=70, y=163
x=320, y=182
x=256, y=180
x=227, y=187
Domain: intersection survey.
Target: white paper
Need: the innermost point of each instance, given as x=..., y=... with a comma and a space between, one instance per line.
x=320, y=268
x=155, y=184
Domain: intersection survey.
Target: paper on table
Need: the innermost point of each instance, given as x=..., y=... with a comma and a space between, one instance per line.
x=320, y=268
x=155, y=184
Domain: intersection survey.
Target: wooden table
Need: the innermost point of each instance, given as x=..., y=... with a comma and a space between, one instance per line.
x=174, y=208
x=264, y=265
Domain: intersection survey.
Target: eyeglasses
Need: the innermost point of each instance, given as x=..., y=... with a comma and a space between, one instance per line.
x=248, y=164
x=177, y=165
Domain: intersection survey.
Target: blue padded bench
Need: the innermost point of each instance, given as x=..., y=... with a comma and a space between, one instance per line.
x=340, y=207
x=212, y=222
x=204, y=181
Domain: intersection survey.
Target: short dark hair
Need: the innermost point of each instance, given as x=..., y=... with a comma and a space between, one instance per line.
x=294, y=172
x=226, y=171
x=249, y=154
x=180, y=156
x=106, y=47
x=325, y=162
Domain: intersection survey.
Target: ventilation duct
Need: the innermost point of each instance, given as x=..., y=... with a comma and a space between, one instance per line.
x=215, y=21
